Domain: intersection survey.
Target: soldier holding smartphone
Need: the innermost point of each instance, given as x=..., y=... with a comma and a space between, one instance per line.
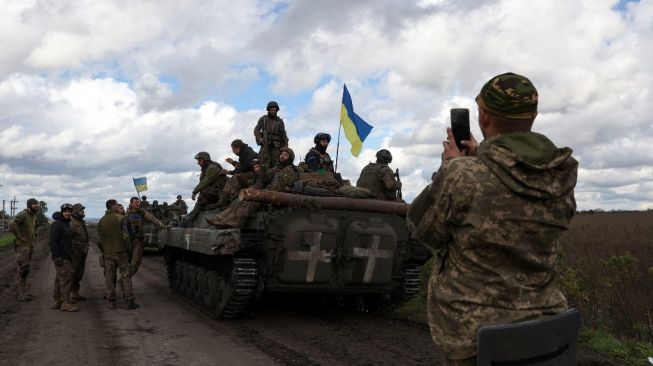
x=493, y=215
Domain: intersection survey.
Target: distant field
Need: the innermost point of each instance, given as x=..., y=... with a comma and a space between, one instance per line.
x=6, y=239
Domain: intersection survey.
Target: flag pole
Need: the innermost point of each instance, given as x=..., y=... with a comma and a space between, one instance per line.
x=338, y=147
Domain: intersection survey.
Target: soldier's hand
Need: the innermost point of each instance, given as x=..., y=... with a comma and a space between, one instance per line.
x=58, y=262
x=229, y=160
x=193, y=196
x=471, y=146
x=450, y=148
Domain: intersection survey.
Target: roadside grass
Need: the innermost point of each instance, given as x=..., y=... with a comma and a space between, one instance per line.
x=6, y=239
x=628, y=351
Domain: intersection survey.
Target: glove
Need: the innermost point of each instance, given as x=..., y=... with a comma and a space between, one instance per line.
x=58, y=262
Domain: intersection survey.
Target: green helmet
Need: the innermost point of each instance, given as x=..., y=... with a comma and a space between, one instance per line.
x=271, y=104
x=203, y=155
x=383, y=156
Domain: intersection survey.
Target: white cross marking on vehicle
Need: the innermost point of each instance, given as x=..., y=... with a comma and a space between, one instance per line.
x=312, y=256
x=372, y=253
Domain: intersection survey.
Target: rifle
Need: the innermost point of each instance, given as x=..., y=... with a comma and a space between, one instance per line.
x=398, y=180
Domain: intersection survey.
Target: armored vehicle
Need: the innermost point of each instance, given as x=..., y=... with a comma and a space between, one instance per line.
x=296, y=243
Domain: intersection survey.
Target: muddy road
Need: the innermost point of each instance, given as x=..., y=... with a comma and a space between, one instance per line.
x=166, y=330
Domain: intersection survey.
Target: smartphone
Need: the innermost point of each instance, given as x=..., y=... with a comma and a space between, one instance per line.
x=460, y=125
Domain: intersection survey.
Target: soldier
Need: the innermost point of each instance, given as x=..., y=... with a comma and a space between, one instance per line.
x=61, y=246
x=154, y=209
x=317, y=159
x=121, y=209
x=494, y=218
x=80, y=250
x=166, y=213
x=270, y=135
x=23, y=227
x=135, y=218
x=180, y=206
x=144, y=203
x=284, y=176
x=379, y=178
x=243, y=166
x=212, y=180
x=113, y=241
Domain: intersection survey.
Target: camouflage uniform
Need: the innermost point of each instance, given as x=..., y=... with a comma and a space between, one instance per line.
x=276, y=138
x=380, y=180
x=80, y=252
x=134, y=223
x=494, y=221
x=23, y=227
x=237, y=213
x=318, y=160
x=180, y=207
x=212, y=182
x=113, y=240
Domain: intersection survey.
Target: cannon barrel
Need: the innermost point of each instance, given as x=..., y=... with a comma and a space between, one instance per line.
x=336, y=203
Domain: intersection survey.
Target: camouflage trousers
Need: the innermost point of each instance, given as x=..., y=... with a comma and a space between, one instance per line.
x=114, y=262
x=137, y=256
x=79, y=265
x=237, y=213
x=23, y=260
x=270, y=151
x=61, y=292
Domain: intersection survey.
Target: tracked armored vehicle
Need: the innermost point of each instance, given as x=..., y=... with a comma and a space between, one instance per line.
x=296, y=244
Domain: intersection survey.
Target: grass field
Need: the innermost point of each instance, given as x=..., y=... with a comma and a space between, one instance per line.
x=606, y=272
x=6, y=239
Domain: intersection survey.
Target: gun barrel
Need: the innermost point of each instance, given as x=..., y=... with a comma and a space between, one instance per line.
x=336, y=203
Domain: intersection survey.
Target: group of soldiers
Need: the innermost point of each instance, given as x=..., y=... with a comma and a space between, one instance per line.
x=120, y=239
x=164, y=212
x=273, y=168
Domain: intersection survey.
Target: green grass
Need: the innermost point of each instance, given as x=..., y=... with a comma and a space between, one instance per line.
x=6, y=239
x=631, y=352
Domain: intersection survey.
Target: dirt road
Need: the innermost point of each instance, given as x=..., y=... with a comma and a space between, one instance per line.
x=168, y=331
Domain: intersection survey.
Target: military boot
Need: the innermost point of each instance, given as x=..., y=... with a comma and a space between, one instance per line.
x=56, y=305
x=132, y=305
x=69, y=307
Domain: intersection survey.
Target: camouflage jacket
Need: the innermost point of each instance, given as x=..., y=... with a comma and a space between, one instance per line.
x=80, y=234
x=212, y=176
x=23, y=226
x=380, y=180
x=276, y=130
x=135, y=220
x=494, y=222
x=112, y=233
x=283, y=178
x=180, y=207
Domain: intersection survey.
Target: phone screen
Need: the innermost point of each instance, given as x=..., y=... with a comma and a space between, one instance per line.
x=460, y=125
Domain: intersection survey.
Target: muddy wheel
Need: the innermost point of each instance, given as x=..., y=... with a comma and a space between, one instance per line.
x=201, y=285
x=191, y=280
x=221, y=290
x=181, y=278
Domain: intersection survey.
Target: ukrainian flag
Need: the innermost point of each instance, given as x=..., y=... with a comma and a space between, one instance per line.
x=140, y=184
x=356, y=130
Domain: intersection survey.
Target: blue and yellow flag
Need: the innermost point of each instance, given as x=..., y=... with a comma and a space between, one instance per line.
x=140, y=184
x=356, y=130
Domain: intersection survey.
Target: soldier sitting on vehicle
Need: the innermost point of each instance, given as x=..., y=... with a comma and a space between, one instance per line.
x=212, y=180
x=317, y=159
x=144, y=203
x=179, y=206
x=244, y=165
x=379, y=179
x=284, y=176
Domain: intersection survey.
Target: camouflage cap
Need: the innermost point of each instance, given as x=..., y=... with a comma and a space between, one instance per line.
x=78, y=207
x=32, y=201
x=509, y=95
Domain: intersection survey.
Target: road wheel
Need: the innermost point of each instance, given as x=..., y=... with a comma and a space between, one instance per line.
x=201, y=285
x=181, y=278
x=191, y=280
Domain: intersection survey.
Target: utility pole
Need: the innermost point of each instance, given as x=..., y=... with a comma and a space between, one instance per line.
x=13, y=207
x=3, y=217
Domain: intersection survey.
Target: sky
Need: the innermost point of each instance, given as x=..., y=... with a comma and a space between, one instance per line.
x=94, y=93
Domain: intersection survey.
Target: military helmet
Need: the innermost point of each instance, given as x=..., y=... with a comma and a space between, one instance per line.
x=290, y=152
x=165, y=204
x=383, y=156
x=203, y=155
x=322, y=136
x=144, y=198
x=66, y=207
x=178, y=196
x=271, y=104
x=155, y=202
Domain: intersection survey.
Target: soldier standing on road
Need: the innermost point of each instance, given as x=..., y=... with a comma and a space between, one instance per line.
x=494, y=218
x=61, y=246
x=318, y=159
x=270, y=135
x=212, y=181
x=379, y=178
x=121, y=209
x=80, y=250
x=136, y=216
x=23, y=227
x=113, y=241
